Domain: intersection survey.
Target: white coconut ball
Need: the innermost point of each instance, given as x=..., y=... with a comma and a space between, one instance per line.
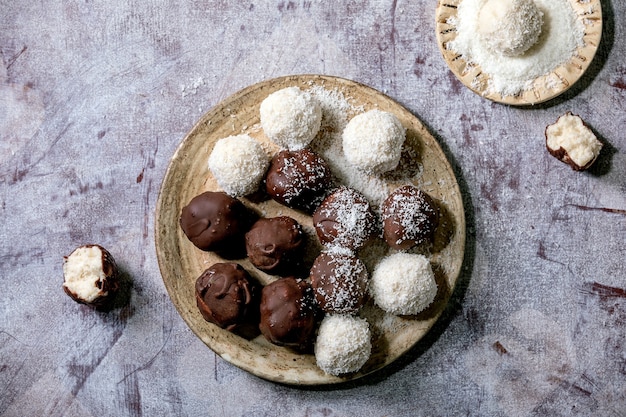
x=238, y=163
x=343, y=344
x=372, y=141
x=403, y=284
x=509, y=27
x=291, y=118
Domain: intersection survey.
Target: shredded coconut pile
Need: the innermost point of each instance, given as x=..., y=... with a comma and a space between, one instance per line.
x=238, y=164
x=290, y=118
x=343, y=344
x=372, y=141
x=403, y=284
x=562, y=33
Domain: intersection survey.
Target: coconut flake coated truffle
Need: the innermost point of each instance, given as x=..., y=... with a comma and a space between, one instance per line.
x=291, y=118
x=403, y=284
x=90, y=275
x=571, y=141
x=288, y=314
x=372, y=141
x=298, y=179
x=339, y=282
x=227, y=296
x=509, y=27
x=215, y=221
x=344, y=219
x=410, y=218
x=238, y=163
x=275, y=245
x=343, y=344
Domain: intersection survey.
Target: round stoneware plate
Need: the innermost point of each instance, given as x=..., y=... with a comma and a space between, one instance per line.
x=545, y=87
x=423, y=163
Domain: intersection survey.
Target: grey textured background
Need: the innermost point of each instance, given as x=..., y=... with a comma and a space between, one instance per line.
x=95, y=96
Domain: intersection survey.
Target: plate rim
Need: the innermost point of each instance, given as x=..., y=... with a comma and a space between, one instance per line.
x=298, y=79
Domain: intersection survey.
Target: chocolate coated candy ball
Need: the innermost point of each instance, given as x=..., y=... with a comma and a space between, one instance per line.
x=227, y=296
x=274, y=245
x=288, y=315
x=410, y=218
x=214, y=221
x=298, y=179
x=344, y=219
x=339, y=282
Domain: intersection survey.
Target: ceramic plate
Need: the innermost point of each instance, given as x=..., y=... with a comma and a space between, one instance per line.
x=544, y=88
x=423, y=163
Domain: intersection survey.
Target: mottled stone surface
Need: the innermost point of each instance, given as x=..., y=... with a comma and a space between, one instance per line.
x=95, y=96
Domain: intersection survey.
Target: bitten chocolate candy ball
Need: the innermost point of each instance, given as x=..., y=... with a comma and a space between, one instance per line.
x=275, y=244
x=214, y=221
x=227, y=296
x=344, y=219
x=90, y=276
x=339, y=282
x=410, y=218
x=288, y=315
x=298, y=179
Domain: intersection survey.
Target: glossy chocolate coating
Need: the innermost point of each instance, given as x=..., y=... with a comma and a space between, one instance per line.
x=288, y=315
x=215, y=221
x=344, y=219
x=275, y=244
x=339, y=282
x=227, y=296
x=410, y=218
x=298, y=179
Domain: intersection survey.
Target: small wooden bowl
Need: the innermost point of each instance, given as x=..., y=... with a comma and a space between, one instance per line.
x=545, y=87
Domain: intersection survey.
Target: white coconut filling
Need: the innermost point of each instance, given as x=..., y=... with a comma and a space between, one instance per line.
x=84, y=274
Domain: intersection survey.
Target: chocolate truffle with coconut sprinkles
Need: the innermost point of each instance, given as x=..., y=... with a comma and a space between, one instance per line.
x=339, y=282
x=410, y=218
x=343, y=344
x=372, y=141
x=90, y=276
x=403, y=284
x=291, y=118
x=238, y=163
x=298, y=179
x=344, y=219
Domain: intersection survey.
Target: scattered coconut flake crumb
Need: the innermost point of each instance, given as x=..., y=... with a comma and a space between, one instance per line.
x=343, y=344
